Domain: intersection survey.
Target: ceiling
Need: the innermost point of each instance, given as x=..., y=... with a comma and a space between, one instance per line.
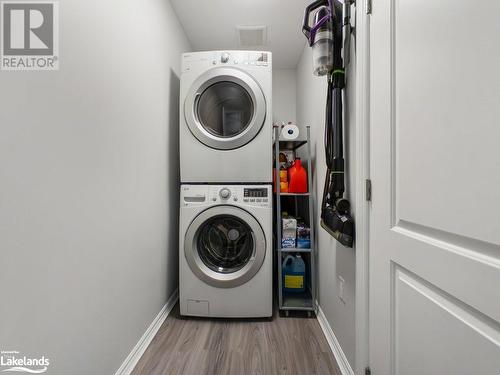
x=211, y=25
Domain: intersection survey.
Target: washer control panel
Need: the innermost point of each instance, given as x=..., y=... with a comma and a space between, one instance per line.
x=241, y=195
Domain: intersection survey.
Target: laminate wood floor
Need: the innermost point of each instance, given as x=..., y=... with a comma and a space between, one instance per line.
x=198, y=346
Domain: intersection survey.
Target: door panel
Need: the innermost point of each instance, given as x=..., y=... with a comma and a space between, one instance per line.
x=461, y=271
x=434, y=332
x=435, y=220
x=447, y=92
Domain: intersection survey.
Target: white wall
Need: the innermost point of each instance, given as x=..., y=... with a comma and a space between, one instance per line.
x=89, y=187
x=334, y=260
x=284, y=95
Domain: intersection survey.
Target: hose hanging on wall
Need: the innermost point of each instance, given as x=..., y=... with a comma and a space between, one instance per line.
x=326, y=39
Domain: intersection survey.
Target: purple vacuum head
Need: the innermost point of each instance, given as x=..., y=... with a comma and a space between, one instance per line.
x=321, y=18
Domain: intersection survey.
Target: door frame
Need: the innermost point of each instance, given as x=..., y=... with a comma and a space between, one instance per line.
x=362, y=176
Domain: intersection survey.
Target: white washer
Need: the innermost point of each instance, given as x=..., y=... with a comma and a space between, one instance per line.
x=226, y=117
x=225, y=251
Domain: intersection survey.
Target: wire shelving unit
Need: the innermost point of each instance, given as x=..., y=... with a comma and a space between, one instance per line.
x=305, y=301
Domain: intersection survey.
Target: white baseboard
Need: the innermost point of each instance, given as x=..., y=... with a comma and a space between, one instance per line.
x=344, y=365
x=131, y=361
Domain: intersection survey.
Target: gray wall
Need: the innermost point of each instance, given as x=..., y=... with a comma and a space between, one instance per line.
x=334, y=259
x=89, y=187
x=284, y=95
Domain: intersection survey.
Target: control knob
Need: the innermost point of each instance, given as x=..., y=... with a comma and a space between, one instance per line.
x=224, y=57
x=225, y=193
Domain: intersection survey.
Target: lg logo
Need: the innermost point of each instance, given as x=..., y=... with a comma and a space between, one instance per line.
x=29, y=35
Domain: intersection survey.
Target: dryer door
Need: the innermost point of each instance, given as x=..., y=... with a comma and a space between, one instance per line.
x=225, y=108
x=225, y=246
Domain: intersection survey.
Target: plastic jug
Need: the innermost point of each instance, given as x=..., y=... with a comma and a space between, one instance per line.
x=294, y=272
x=297, y=178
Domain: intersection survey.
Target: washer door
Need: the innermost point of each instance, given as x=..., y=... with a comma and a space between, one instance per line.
x=225, y=246
x=225, y=108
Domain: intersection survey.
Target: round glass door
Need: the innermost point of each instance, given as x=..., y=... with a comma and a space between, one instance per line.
x=225, y=108
x=225, y=246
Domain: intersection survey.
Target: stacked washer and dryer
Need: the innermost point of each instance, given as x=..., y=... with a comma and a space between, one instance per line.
x=225, y=242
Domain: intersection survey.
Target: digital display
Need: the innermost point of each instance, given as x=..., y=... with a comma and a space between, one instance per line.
x=255, y=193
x=262, y=57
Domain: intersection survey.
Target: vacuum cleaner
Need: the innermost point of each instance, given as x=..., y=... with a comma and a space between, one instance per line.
x=329, y=34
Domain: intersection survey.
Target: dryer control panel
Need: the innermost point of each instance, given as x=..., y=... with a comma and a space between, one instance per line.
x=238, y=195
x=243, y=59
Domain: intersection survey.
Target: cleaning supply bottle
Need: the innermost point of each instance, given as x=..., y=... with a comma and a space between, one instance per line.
x=303, y=235
x=283, y=180
x=297, y=178
x=294, y=274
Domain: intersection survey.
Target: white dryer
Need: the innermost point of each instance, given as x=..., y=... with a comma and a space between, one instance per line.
x=225, y=251
x=226, y=117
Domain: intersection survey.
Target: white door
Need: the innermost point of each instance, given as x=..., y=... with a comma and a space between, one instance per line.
x=435, y=169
